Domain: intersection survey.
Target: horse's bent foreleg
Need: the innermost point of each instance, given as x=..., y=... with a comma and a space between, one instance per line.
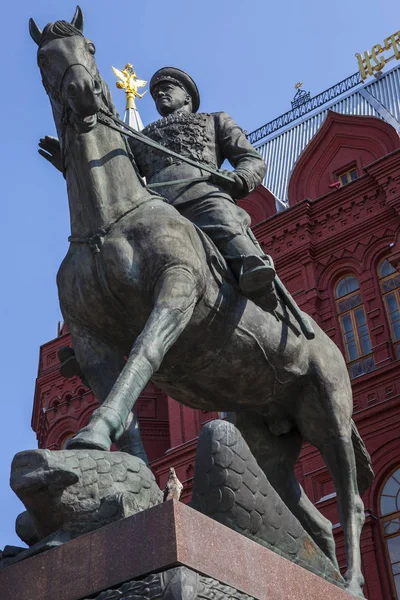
x=277, y=456
x=102, y=363
x=175, y=299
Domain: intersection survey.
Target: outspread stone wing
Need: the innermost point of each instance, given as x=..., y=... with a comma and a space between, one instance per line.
x=230, y=487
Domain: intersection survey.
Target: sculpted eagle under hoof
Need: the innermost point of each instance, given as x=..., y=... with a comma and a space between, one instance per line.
x=70, y=492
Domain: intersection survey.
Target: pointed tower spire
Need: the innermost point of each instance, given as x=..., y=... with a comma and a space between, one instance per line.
x=128, y=81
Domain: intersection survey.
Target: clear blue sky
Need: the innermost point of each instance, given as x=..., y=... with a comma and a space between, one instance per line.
x=245, y=57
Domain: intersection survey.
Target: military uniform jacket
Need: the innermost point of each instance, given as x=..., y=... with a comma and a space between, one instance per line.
x=205, y=138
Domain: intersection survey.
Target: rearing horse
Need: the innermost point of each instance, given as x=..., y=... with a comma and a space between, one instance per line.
x=139, y=281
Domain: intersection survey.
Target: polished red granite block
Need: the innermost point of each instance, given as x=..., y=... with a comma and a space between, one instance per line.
x=157, y=539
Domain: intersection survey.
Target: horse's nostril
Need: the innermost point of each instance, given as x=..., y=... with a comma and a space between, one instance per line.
x=71, y=89
x=96, y=86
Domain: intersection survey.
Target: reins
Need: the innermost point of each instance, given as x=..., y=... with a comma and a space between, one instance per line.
x=116, y=124
x=97, y=239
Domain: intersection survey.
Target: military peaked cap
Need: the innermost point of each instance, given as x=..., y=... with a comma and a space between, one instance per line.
x=180, y=78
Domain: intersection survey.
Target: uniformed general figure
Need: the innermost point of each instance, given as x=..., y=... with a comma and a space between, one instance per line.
x=207, y=201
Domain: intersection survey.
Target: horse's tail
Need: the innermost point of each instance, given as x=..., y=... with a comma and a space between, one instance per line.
x=365, y=474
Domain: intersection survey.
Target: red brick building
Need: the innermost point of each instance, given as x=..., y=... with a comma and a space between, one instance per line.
x=332, y=245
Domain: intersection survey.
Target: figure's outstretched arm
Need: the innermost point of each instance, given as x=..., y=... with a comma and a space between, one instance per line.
x=49, y=148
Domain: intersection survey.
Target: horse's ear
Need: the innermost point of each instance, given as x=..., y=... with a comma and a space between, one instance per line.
x=77, y=20
x=35, y=32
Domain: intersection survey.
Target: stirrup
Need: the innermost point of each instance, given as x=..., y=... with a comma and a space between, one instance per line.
x=267, y=299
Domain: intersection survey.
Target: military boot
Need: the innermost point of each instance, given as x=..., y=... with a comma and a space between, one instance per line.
x=255, y=280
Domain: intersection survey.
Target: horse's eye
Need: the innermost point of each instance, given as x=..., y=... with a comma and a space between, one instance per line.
x=91, y=48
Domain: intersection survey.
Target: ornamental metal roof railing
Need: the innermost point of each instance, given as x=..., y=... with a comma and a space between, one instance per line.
x=336, y=90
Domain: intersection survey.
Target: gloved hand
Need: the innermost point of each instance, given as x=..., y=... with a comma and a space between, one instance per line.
x=49, y=148
x=235, y=188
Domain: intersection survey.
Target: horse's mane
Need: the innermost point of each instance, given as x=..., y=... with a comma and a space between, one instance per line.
x=62, y=29
x=57, y=30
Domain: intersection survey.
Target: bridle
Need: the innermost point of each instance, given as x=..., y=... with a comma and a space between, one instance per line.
x=55, y=91
x=66, y=71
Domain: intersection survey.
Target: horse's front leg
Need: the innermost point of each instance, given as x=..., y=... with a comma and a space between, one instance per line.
x=175, y=298
x=101, y=363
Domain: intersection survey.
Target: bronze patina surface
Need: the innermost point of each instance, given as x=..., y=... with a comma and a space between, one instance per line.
x=140, y=281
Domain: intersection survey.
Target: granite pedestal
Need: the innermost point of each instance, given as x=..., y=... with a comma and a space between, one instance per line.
x=169, y=551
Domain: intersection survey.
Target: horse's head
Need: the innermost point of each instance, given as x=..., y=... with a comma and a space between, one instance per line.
x=69, y=71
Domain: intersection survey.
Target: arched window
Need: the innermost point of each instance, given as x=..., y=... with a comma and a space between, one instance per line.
x=390, y=524
x=390, y=287
x=353, y=324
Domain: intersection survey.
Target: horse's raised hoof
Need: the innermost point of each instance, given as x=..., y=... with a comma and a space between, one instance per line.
x=87, y=439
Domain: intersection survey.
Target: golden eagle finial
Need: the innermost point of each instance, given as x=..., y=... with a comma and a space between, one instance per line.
x=129, y=82
x=298, y=85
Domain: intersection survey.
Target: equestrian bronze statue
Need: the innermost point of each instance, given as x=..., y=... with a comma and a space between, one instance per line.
x=140, y=280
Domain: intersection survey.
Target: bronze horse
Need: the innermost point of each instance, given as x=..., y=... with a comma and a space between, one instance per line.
x=140, y=281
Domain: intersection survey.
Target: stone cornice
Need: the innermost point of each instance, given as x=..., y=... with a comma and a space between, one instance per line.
x=385, y=165
x=305, y=219
x=388, y=372
x=365, y=184
x=181, y=454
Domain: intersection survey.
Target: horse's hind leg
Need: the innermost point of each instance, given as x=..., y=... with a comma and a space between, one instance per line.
x=277, y=455
x=102, y=363
x=176, y=297
x=339, y=457
x=325, y=422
